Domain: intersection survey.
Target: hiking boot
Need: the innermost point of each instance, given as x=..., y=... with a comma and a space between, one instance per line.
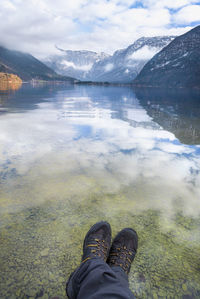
x=97, y=242
x=123, y=249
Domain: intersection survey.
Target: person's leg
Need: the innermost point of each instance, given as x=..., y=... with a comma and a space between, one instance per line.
x=96, y=279
x=96, y=248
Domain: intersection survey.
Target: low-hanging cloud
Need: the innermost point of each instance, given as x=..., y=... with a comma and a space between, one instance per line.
x=67, y=64
x=145, y=53
x=108, y=67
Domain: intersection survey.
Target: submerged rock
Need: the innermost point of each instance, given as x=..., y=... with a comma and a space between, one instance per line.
x=44, y=252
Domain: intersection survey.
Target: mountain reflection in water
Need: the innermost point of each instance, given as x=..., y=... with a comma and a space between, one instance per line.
x=74, y=155
x=177, y=111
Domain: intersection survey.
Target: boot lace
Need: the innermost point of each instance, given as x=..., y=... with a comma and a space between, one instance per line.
x=98, y=249
x=122, y=256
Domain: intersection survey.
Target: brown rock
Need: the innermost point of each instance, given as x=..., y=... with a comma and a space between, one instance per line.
x=9, y=81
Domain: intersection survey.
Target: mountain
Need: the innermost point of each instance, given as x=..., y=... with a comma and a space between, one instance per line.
x=122, y=67
x=177, y=65
x=26, y=66
x=76, y=64
x=125, y=64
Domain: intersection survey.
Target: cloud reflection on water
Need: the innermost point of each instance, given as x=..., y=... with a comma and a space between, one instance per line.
x=115, y=142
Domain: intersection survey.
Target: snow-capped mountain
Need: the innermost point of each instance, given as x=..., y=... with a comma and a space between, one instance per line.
x=121, y=67
x=75, y=63
x=124, y=65
x=177, y=65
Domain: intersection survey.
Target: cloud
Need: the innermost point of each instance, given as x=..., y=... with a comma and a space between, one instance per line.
x=108, y=67
x=90, y=141
x=68, y=64
x=145, y=53
x=172, y=4
x=188, y=14
x=36, y=26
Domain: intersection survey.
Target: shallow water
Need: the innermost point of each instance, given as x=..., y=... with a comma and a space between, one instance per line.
x=73, y=155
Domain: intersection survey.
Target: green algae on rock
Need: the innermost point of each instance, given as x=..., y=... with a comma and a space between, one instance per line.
x=54, y=233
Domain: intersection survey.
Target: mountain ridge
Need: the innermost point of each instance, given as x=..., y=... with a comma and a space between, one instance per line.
x=176, y=65
x=126, y=63
x=117, y=68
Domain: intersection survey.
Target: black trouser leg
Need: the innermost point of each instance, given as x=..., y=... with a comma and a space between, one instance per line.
x=94, y=279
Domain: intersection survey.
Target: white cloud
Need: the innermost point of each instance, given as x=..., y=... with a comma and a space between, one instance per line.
x=36, y=26
x=173, y=148
x=108, y=67
x=138, y=115
x=174, y=4
x=188, y=14
x=145, y=53
x=85, y=67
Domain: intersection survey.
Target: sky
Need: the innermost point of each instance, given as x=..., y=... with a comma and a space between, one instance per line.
x=37, y=26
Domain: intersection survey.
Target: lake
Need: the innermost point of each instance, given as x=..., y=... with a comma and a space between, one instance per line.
x=74, y=155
